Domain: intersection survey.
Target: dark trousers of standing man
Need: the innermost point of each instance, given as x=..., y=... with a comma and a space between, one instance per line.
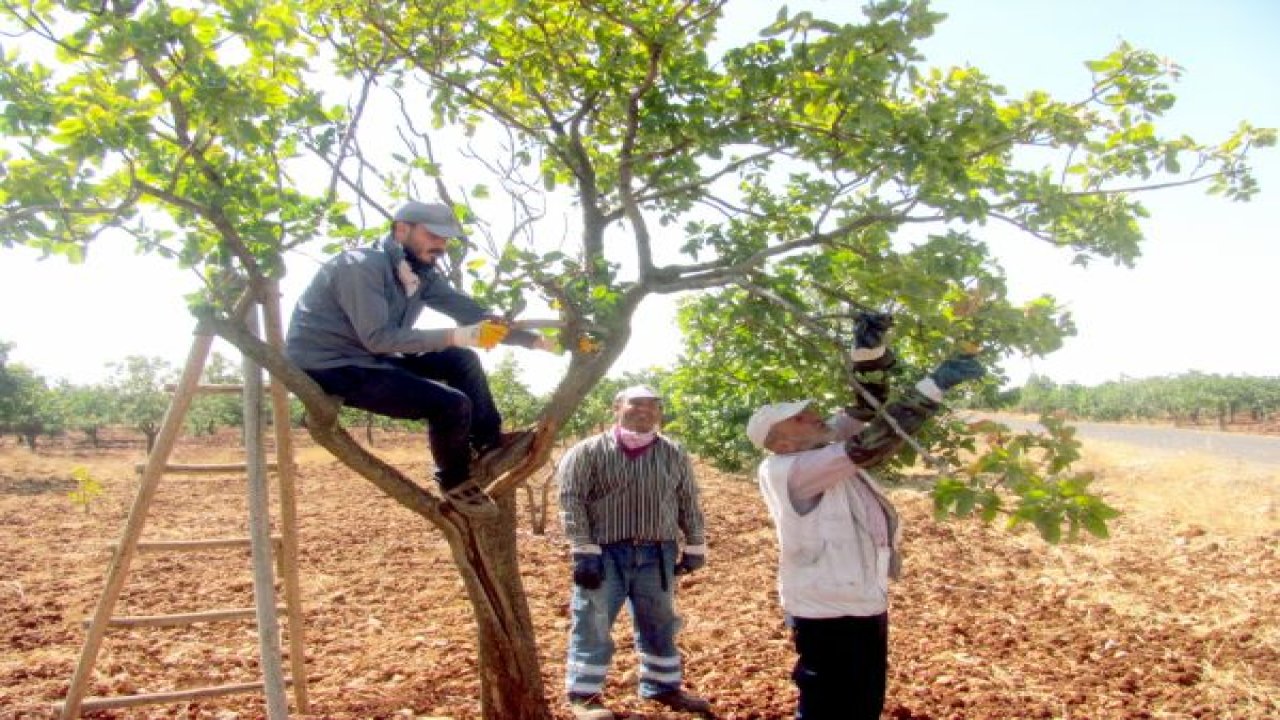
x=842, y=668
x=448, y=389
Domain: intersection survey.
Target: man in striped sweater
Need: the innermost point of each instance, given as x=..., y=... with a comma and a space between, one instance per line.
x=627, y=499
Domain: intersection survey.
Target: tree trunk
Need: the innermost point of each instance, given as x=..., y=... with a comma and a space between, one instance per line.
x=510, y=674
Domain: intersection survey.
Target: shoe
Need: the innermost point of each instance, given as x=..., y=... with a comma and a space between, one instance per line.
x=471, y=500
x=498, y=456
x=589, y=707
x=681, y=701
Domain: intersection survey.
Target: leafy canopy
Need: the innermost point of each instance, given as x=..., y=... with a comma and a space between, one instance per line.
x=810, y=172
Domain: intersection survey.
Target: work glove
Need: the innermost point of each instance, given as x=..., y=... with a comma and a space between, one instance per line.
x=956, y=370
x=485, y=334
x=689, y=562
x=869, y=331
x=588, y=570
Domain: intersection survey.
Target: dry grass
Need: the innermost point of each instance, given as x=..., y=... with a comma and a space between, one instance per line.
x=1193, y=492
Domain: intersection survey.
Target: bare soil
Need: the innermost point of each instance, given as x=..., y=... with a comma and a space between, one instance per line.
x=1175, y=617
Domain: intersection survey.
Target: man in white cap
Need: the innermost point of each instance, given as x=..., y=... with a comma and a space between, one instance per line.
x=352, y=331
x=838, y=533
x=627, y=499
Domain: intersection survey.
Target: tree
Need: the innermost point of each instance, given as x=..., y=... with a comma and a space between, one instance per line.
x=28, y=407
x=138, y=385
x=8, y=387
x=520, y=409
x=208, y=412
x=519, y=405
x=784, y=172
x=87, y=408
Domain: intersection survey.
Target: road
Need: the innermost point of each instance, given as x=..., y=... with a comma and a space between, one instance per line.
x=1249, y=448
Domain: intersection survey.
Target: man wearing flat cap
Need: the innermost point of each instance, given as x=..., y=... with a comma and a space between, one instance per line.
x=353, y=332
x=627, y=499
x=837, y=531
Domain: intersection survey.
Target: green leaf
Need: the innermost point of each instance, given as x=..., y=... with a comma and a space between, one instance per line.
x=182, y=16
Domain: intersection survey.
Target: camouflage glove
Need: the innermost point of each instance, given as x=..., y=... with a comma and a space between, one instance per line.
x=869, y=331
x=956, y=370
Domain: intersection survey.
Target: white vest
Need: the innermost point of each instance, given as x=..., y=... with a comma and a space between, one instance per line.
x=828, y=563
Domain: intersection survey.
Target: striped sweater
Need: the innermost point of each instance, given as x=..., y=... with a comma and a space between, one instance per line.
x=606, y=497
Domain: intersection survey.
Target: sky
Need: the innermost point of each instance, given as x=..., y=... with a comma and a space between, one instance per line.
x=1202, y=297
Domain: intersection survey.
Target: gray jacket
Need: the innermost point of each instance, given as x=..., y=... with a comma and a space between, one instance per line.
x=356, y=312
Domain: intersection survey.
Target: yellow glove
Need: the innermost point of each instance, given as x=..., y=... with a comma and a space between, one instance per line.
x=485, y=334
x=588, y=345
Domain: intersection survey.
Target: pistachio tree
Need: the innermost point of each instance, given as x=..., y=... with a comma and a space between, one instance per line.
x=137, y=385
x=634, y=159
x=28, y=406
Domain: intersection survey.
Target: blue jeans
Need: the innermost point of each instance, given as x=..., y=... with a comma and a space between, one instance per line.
x=641, y=574
x=448, y=389
x=842, y=667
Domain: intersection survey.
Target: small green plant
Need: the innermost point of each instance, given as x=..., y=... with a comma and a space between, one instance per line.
x=88, y=488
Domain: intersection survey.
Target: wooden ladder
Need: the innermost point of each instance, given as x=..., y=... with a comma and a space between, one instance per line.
x=262, y=545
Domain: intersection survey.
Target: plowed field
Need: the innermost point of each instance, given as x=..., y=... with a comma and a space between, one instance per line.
x=1177, y=616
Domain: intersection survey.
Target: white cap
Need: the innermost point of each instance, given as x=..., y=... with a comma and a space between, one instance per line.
x=436, y=217
x=763, y=420
x=635, y=392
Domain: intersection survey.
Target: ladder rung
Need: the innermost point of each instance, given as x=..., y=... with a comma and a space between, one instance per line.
x=182, y=619
x=194, y=545
x=123, y=701
x=213, y=469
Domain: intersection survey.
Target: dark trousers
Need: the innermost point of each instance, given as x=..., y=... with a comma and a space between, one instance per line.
x=448, y=389
x=842, y=668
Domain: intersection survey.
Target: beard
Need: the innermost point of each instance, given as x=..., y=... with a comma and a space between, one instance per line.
x=426, y=259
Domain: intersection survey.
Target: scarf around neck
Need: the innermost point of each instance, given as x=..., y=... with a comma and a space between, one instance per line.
x=408, y=278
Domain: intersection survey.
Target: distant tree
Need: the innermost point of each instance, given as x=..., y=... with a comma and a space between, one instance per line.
x=28, y=406
x=209, y=412
x=88, y=408
x=138, y=386
x=8, y=388
x=520, y=407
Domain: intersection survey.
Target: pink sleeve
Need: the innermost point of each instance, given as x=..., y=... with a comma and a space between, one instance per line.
x=816, y=471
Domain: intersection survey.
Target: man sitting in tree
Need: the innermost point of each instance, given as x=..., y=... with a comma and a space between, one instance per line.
x=352, y=332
